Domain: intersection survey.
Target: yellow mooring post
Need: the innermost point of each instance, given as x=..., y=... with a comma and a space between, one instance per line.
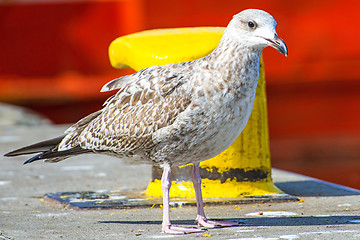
x=241, y=170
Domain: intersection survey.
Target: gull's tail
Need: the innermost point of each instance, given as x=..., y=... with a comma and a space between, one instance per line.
x=48, y=151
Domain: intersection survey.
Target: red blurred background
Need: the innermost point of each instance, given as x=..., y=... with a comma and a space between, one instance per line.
x=53, y=59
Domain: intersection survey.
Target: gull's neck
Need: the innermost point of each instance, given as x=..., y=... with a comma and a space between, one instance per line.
x=235, y=60
x=235, y=52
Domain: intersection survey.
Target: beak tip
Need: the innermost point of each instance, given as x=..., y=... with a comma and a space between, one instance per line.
x=278, y=44
x=283, y=48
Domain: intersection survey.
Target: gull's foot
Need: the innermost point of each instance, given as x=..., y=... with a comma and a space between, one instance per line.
x=203, y=222
x=180, y=230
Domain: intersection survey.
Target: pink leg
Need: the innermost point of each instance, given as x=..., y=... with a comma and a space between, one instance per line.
x=166, y=224
x=200, y=218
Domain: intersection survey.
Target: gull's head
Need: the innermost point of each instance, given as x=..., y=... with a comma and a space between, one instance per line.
x=256, y=29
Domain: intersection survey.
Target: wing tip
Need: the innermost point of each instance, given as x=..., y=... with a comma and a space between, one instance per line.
x=12, y=153
x=8, y=154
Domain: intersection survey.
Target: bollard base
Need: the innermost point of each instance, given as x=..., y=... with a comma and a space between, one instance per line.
x=105, y=199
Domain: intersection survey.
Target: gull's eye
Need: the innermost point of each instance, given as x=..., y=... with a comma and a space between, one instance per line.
x=251, y=24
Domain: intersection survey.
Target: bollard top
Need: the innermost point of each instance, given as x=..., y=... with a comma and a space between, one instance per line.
x=163, y=46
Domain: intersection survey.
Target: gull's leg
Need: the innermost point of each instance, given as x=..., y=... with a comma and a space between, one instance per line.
x=166, y=224
x=200, y=218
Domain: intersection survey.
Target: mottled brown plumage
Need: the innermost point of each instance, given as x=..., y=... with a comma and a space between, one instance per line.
x=178, y=113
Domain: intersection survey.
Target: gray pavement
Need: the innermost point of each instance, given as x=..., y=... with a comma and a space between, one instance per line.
x=325, y=211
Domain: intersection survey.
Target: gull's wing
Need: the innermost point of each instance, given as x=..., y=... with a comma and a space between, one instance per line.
x=147, y=101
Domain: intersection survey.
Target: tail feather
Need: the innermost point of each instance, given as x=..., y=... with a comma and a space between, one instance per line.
x=56, y=156
x=47, y=151
x=35, y=158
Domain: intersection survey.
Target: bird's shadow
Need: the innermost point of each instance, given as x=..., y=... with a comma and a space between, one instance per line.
x=263, y=221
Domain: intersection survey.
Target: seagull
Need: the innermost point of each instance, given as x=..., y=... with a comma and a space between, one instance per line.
x=176, y=114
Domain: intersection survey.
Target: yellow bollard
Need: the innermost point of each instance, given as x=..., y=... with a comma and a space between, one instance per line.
x=244, y=168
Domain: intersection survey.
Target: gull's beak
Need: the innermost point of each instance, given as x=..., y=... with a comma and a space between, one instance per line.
x=278, y=44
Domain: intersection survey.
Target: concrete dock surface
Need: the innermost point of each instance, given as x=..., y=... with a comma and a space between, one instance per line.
x=324, y=210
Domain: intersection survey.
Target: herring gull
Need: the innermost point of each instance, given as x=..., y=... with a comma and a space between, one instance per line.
x=178, y=113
